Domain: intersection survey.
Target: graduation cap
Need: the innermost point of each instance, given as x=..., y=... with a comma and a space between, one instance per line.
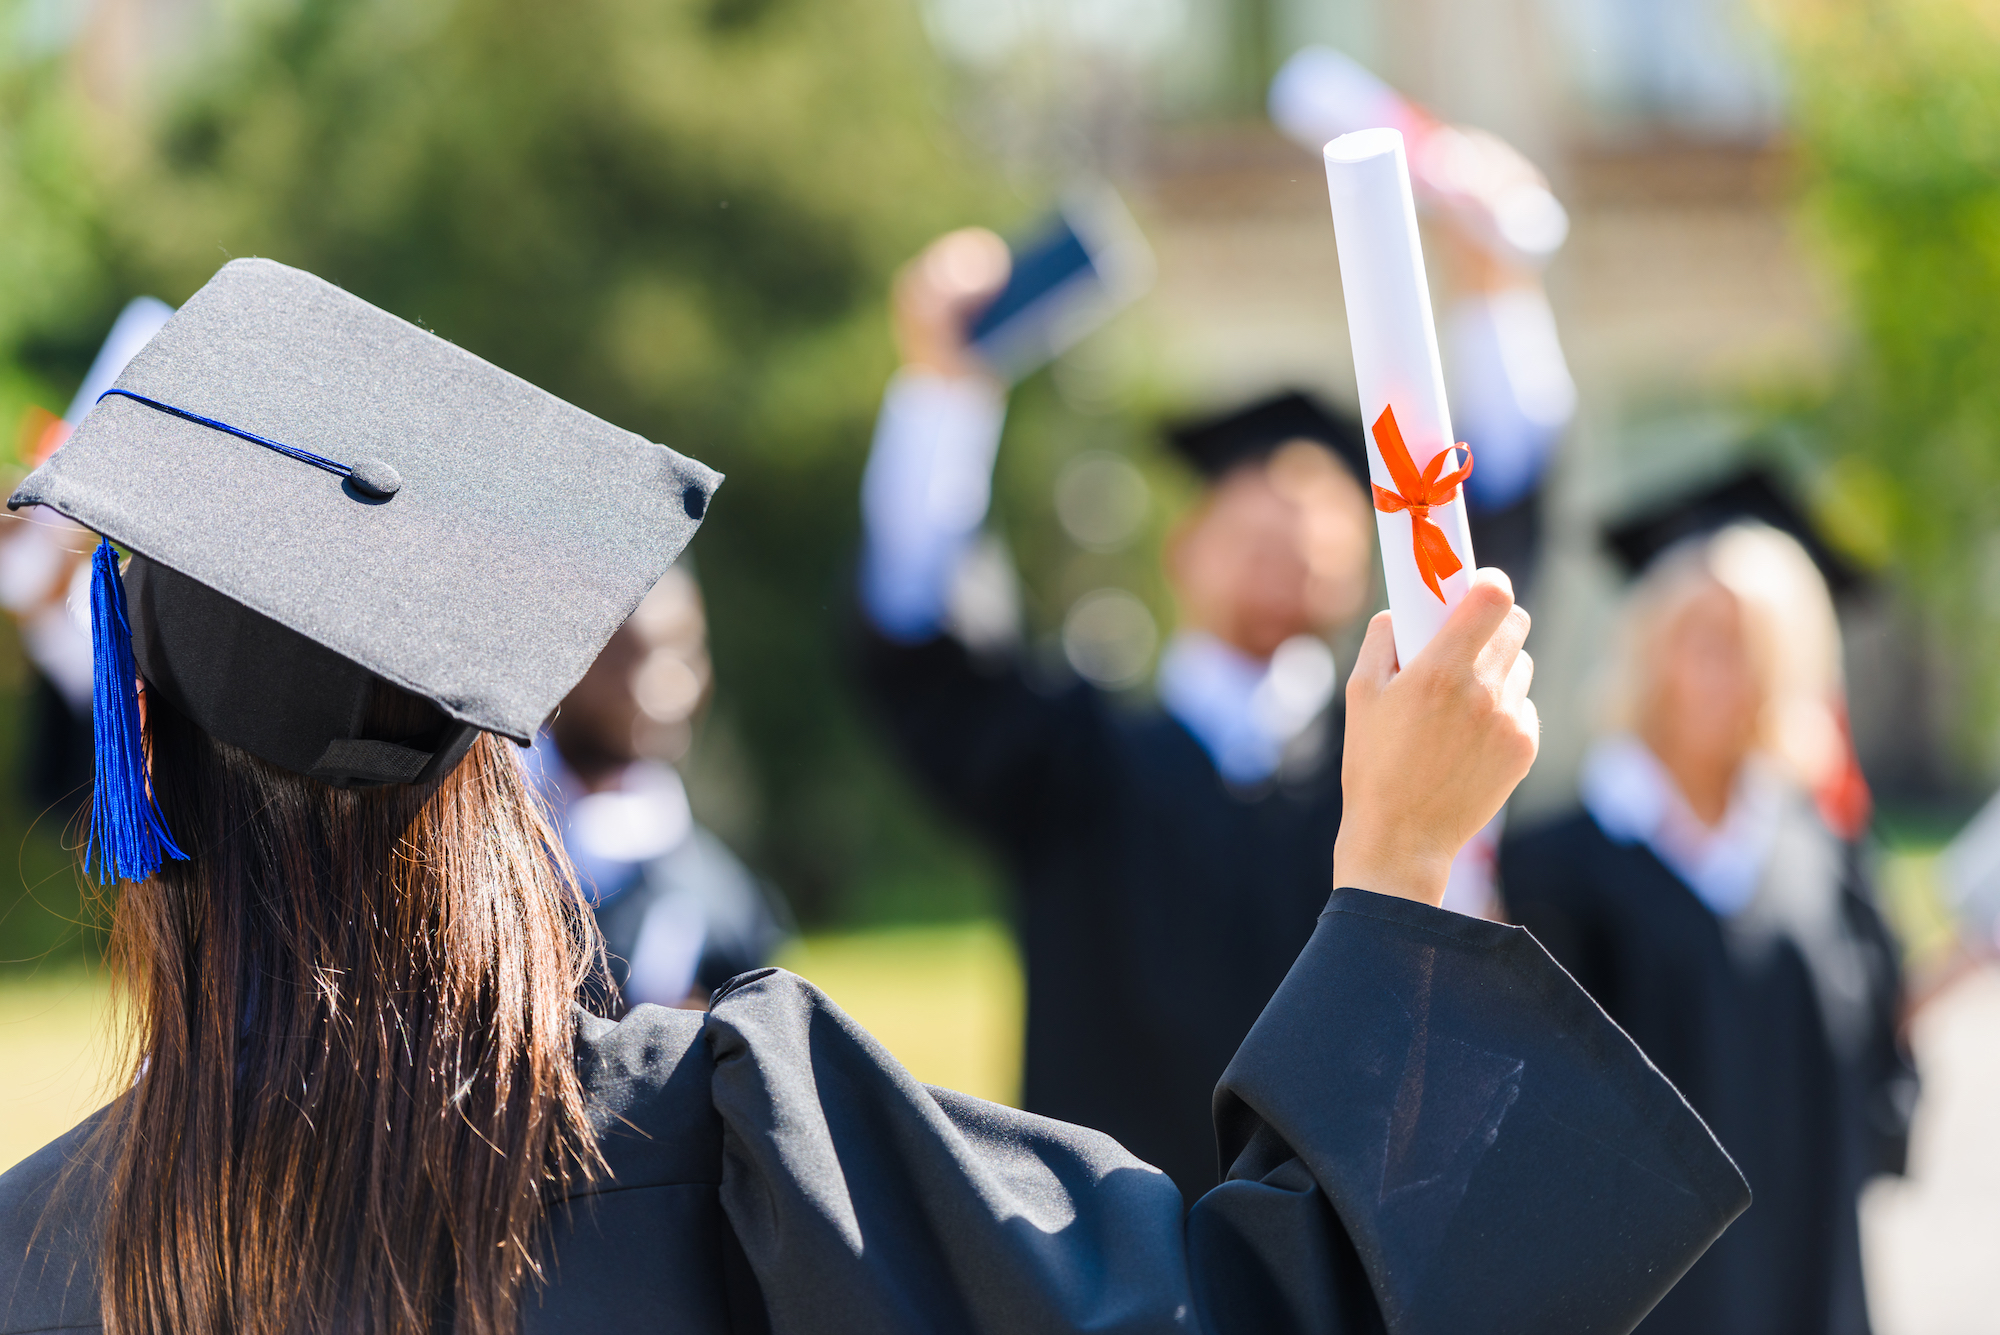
x=1216, y=445
x=1751, y=495
x=320, y=498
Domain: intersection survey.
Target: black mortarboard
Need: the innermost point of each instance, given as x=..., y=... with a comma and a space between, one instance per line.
x=1216, y=445
x=319, y=496
x=1753, y=494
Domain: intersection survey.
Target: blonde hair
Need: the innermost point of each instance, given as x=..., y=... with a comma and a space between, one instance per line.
x=1788, y=624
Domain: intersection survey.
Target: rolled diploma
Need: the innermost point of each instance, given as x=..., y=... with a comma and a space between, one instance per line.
x=1395, y=360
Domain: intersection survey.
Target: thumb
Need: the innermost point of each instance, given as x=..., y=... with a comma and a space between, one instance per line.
x=1375, y=665
x=1489, y=597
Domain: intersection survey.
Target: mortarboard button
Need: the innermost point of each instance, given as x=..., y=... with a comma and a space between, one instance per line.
x=372, y=477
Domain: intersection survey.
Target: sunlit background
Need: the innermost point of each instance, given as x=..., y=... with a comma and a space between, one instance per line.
x=682, y=214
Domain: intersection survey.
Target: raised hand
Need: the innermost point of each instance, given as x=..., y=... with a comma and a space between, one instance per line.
x=1434, y=749
x=936, y=295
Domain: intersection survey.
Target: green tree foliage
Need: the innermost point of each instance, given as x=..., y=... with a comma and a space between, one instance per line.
x=1897, y=112
x=679, y=214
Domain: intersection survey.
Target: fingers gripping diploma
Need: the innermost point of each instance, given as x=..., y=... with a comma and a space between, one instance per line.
x=1434, y=749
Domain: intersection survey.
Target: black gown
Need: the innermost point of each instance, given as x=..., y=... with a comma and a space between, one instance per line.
x=1157, y=908
x=1432, y=1132
x=1778, y=1024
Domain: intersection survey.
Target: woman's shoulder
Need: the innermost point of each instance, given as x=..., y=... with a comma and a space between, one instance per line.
x=48, y=1235
x=785, y=1053
x=646, y=1086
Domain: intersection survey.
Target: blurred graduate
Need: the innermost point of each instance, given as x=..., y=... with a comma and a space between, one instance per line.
x=680, y=913
x=1168, y=863
x=1712, y=897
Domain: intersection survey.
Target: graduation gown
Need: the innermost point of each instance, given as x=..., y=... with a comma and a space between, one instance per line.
x=1778, y=1024
x=1156, y=908
x=1432, y=1132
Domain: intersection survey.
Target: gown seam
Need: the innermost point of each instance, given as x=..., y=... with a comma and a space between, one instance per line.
x=631, y=1186
x=1458, y=933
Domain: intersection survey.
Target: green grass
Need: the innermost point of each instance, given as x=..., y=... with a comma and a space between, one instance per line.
x=1913, y=901
x=946, y=1000
x=1909, y=887
x=54, y=1049
x=48, y=917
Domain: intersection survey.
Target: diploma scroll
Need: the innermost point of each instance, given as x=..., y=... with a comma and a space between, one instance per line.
x=1412, y=461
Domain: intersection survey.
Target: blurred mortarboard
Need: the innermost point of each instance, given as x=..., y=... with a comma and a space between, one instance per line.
x=1752, y=495
x=412, y=515
x=1217, y=444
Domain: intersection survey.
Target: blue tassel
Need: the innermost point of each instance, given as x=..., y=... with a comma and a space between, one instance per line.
x=127, y=834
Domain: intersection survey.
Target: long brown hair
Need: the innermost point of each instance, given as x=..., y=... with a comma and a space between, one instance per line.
x=354, y=1088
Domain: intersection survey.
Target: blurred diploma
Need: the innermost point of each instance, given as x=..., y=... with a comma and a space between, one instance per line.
x=1401, y=382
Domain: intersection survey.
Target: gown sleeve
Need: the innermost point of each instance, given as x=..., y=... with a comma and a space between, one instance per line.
x=1013, y=762
x=1432, y=1132
x=1019, y=764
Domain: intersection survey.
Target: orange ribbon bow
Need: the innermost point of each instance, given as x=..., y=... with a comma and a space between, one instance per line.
x=1417, y=494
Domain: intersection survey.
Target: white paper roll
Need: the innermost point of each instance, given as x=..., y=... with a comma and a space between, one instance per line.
x=1396, y=366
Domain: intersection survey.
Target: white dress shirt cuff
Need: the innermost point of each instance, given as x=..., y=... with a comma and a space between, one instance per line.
x=924, y=495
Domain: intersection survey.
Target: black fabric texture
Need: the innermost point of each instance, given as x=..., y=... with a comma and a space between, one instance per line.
x=1778, y=1024
x=1501, y=1157
x=375, y=762
x=1157, y=907
x=239, y=675
x=458, y=739
x=219, y=663
x=1434, y=1133
x=524, y=532
x=49, y=1226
